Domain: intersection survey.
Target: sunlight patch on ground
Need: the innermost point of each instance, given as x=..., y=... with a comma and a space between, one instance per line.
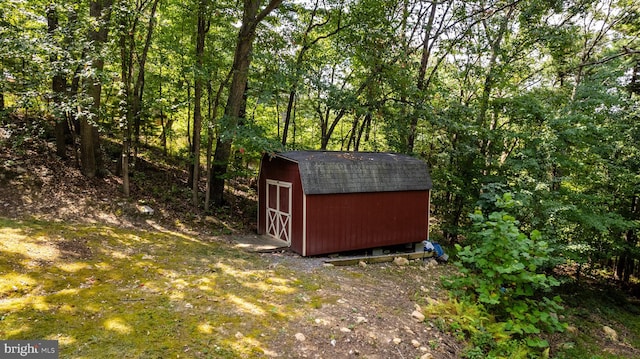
x=17, y=330
x=67, y=308
x=12, y=241
x=205, y=328
x=118, y=325
x=266, y=287
x=20, y=303
x=73, y=266
x=63, y=340
x=176, y=296
x=93, y=307
x=168, y=273
x=117, y=254
x=171, y=233
x=205, y=288
x=71, y=292
x=242, y=273
x=15, y=282
x=179, y=284
x=204, y=284
x=245, y=306
x=103, y=266
x=246, y=344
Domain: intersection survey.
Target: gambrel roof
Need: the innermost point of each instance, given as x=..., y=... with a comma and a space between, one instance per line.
x=326, y=172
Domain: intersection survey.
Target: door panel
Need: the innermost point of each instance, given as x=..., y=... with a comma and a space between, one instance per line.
x=279, y=210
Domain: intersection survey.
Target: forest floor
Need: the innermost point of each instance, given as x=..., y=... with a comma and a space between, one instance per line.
x=173, y=284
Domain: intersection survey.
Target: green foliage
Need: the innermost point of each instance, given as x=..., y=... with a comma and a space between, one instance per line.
x=503, y=270
x=250, y=143
x=486, y=337
x=520, y=95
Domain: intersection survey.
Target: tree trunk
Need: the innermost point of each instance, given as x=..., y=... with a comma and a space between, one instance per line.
x=241, y=61
x=126, y=186
x=366, y=124
x=90, y=155
x=165, y=123
x=126, y=70
x=352, y=133
x=634, y=84
x=210, y=116
x=213, y=113
x=203, y=28
x=138, y=88
x=58, y=87
x=287, y=117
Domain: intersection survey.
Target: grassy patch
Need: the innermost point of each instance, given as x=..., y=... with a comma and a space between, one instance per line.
x=108, y=292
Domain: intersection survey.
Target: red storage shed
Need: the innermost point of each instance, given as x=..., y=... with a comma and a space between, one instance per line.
x=320, y=202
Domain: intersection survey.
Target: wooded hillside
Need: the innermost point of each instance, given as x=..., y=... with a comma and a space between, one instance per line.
x=535, y=98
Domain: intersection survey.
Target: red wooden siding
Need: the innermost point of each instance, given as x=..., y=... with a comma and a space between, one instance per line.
x=343, y=222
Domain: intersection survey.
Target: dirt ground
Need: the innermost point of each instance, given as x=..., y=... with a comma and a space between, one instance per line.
x=363, y=311
x=372, y=312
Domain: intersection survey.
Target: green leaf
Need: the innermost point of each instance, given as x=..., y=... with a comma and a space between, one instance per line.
x=537, y=342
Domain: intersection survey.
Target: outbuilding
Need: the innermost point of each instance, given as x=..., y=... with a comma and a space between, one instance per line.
x=320, y=202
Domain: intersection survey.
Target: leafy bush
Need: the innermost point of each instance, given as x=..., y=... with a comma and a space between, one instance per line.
x=503, y=270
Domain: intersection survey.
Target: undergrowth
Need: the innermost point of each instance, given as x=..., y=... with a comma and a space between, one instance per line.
x=505, y=303
x=504, y=288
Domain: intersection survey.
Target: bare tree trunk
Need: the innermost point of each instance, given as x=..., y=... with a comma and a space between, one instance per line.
x=90, y=155
x=203, y=28
x=210, y=116
x=58, y=87
x=327, y=128
x=241, y=61
x=138, y=88
x=213, y=112
x=352, y=133
x=126, y=73
x=287, y=117
x=366, y=123
x=166, y=126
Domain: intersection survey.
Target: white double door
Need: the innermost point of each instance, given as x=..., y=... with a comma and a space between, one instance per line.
x=279, y=210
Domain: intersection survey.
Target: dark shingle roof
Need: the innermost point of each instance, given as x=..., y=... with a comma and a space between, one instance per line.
x=324, y=172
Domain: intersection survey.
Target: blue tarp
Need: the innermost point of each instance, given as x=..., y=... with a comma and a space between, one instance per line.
x=435, y=247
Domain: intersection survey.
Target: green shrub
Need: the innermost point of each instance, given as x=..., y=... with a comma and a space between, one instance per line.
x=503, y=269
